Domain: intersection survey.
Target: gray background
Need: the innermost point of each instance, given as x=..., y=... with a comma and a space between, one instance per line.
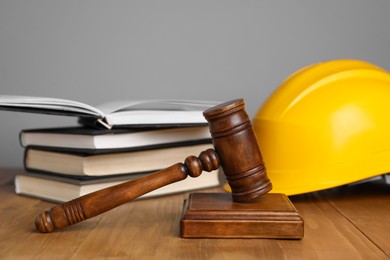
x=95, y=51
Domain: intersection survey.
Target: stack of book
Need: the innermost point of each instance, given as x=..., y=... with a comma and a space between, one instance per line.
x=109, y=148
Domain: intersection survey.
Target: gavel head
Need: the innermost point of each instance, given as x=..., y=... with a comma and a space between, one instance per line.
x=239, y=154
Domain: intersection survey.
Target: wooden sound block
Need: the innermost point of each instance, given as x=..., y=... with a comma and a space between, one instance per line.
x=215, y=215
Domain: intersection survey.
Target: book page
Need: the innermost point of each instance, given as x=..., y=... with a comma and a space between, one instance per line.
x=53, y=105
x=125, y=112
x=157, y=104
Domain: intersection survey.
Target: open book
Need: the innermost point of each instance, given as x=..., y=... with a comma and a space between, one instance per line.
x=117, y=113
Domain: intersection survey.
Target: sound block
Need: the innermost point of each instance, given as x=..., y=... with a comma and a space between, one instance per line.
x=215, y=215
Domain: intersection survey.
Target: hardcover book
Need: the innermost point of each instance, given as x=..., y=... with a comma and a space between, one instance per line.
x=103, y=140
x=60, y=189
x=81, y=164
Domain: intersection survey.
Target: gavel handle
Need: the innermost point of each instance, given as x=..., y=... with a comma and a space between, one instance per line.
x=98, y=202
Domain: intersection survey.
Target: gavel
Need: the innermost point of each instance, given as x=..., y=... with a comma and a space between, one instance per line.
x=235, y=150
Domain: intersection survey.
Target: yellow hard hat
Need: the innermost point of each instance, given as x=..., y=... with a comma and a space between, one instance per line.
x=326, y=125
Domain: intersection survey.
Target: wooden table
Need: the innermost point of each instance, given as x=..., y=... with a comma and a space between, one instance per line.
x=350, y=222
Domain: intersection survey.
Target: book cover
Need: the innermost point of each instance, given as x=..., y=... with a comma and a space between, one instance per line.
x=104, y=164
x=61, y=189
x=87, y=140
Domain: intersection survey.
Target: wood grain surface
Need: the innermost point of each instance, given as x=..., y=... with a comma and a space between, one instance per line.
x=343, y=223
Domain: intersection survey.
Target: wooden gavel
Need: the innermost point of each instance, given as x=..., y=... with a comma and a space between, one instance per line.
x=236, y=150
